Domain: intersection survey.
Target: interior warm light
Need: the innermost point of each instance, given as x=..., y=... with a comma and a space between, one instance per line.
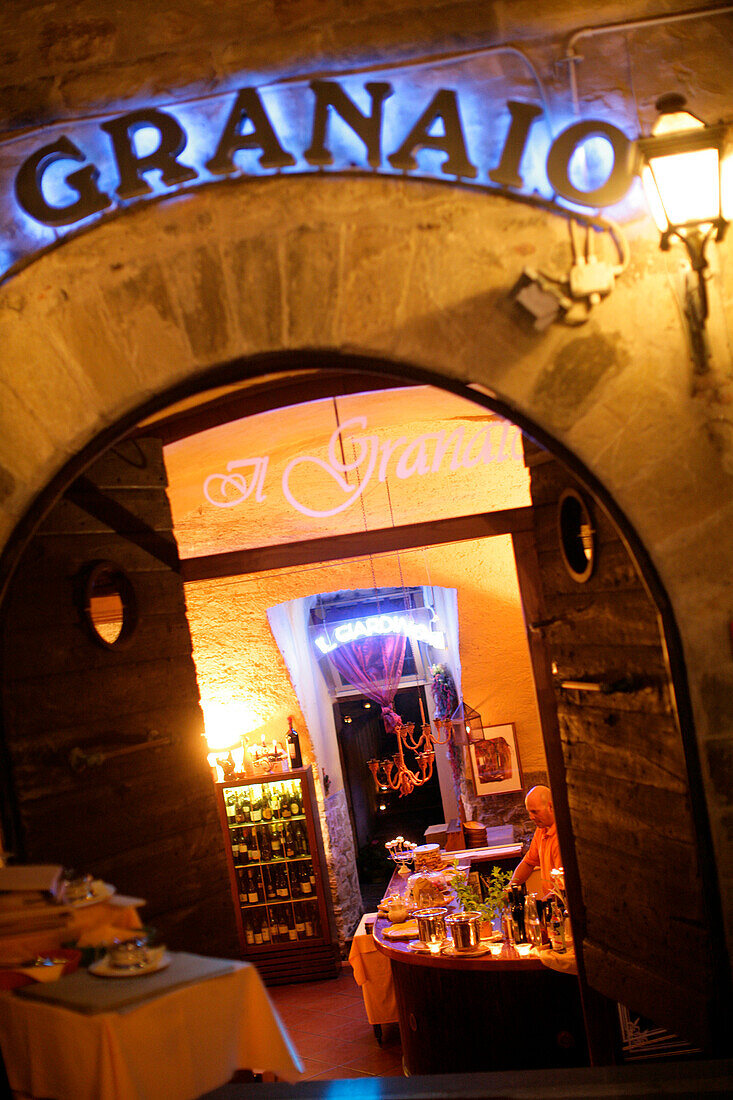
x=225, y=725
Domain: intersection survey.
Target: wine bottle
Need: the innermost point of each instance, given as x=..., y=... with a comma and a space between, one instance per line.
x=246, y=804
x=242, y=888
x=308, y=921
x=270, y=885
x=238, y=811
x=306, y=885
x=301, y=839
x=282, y=884
x=253, y=854
x=249, y=935
x=296, y=760
x=282, y=924
x=265, y=845
x=289, y=843
x=265, y=929
x=276, y=842
x=253, y=895
x=230, y=808
x=256, y=808
x=295, y=809
x=299, y=922
x=518, y=914
x=557, y=929
x=292, y=934
x=266, y=805
x=258, y=929
x=245, y=846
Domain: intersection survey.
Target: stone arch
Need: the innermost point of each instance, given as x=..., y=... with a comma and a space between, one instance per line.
x=148, y=305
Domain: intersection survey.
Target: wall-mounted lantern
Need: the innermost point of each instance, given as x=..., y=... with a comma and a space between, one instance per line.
x=683, y=177
x=466, y=725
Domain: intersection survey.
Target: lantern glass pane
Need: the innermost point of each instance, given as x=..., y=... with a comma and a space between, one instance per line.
x=726, y=188
x=652, y=197
x=688, y=186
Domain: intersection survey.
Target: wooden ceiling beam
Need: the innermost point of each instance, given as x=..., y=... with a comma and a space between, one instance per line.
x=356, y=544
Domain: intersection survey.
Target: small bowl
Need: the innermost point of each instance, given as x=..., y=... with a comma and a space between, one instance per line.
x=129, y=954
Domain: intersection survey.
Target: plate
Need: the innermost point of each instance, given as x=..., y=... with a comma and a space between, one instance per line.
x=449, y=949
x=103, y=968
x=101, y=891
x=406, y=931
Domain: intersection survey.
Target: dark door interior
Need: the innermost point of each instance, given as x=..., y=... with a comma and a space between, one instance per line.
x=378, y=816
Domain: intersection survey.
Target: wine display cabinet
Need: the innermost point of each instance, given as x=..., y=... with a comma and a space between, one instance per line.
x=278, y=876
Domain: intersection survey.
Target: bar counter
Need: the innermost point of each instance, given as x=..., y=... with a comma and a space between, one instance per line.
x=481, y=1013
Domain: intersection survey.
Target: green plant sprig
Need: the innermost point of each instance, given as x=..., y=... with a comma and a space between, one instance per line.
x=494, y=888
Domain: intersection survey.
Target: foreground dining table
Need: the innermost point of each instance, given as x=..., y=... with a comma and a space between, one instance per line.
x=183, y=1032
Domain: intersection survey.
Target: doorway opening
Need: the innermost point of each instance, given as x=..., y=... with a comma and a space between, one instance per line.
x=377, y=811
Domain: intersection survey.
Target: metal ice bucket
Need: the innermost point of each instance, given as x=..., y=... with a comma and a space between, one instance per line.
x=431, y=928
x=466, y=930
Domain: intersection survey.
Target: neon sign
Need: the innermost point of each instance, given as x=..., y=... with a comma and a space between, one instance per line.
x=391, y=127
x=422, y=455
x=373, y=625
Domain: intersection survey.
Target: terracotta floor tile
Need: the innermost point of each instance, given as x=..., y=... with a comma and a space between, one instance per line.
x=328, y=1026
x=359, y=1043
x=378, y=1062
x=313, y=1066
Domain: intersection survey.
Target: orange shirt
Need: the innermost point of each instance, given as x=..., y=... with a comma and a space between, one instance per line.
x=544, y=852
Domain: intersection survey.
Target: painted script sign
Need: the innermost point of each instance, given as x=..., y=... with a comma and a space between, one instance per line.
x=73, y=173
x=373, y=461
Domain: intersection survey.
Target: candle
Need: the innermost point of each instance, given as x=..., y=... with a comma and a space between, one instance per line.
x=422, y=711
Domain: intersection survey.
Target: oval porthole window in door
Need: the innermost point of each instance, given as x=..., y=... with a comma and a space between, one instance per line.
x=110, y=606
x=577, y=535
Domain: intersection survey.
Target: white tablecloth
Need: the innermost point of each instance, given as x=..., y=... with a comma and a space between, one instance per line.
x=173, y=1047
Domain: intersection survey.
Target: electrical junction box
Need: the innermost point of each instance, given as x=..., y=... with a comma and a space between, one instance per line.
x=593, y=277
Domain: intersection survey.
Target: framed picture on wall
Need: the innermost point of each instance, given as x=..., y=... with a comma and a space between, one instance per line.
x=495, y=761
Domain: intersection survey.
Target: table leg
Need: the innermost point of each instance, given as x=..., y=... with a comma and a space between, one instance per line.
x=377, y=1028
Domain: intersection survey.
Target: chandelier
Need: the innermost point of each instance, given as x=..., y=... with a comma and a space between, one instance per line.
x=392, y=773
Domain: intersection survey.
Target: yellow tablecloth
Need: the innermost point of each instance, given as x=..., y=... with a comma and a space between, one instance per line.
x=373, y=974
x=172, y=1047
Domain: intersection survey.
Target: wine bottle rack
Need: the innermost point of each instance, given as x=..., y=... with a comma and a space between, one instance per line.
x=282, y=901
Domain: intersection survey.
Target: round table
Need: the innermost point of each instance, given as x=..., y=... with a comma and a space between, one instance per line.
x=483, y=1013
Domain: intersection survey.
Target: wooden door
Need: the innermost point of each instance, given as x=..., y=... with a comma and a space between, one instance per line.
x=106, y=762
x=630, y=818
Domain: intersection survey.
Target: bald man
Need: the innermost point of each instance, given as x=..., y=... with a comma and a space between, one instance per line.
x=544, y=851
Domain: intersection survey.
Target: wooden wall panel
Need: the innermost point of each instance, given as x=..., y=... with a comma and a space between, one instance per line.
x=645, y=936
x=145, y=821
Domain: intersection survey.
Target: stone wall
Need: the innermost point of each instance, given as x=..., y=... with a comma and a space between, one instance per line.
x=501, y=809
x=342, y=874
